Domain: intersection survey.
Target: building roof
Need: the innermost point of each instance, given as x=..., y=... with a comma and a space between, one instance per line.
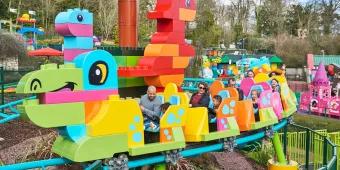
x=233, y=58
x=326, y=59
x=275, y=59
x=320, y=77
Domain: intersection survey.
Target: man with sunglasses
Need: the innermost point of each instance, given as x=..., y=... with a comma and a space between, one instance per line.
x=201, y=98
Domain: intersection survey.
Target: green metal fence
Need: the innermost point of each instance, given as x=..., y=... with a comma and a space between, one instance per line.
x=312, y=149
x=10, y=78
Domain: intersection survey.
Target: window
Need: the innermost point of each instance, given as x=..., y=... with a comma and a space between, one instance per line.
x=315, y=93
x=325, y=93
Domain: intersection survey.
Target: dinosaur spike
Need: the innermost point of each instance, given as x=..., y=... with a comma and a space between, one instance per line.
x=67, y=65
x=48, y=66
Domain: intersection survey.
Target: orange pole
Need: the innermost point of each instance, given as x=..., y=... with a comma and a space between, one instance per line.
x=127, y=14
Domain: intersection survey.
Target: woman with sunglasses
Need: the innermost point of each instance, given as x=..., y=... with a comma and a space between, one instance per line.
x=201, y=98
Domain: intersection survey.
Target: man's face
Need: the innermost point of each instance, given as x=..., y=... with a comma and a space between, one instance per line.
x=232, y=83
x=151, y=94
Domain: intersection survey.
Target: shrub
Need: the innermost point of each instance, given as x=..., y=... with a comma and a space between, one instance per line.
x=293, y=50
x=262, y=153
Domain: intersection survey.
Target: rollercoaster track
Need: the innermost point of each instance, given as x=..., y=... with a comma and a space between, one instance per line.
x=5, y=117
x=149, y=160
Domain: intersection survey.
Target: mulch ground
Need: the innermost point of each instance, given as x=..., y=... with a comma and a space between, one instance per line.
x=225, y=161
x=17, y=131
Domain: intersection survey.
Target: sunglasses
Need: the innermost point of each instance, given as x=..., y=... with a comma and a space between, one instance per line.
x=202, y=87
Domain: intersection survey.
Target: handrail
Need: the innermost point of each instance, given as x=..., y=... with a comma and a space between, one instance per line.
x=16, y=102
x=10, y=84
x=326, y=165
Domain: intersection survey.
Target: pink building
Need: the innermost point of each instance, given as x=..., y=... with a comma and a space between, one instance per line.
x=318, y=99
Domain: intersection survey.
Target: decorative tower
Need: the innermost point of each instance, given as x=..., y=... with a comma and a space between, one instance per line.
x=321, y=87
x=320, y=92
x=318, y=99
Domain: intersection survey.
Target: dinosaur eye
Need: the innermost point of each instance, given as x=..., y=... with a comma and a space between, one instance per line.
x=35, y=84
x=80, y=18
x=98, y=73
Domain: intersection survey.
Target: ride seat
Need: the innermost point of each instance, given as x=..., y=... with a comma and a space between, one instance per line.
x=161, y=97
x=255, y=87
x=224, y=94
x=174, y=100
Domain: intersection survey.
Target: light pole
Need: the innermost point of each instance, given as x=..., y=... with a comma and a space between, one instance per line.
x=323, y=54
x=14, y=11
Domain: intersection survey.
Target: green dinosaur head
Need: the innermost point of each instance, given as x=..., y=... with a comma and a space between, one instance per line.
x=63, y=91
x=50, y=78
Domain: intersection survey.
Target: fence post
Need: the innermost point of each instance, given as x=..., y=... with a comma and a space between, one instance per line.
x=324, y=160
x=285, y=139
x=307, y=148
x=2, y=80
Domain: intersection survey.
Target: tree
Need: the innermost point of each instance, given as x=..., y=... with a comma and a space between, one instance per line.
x=207, y=33
x=10, y=48
x=4, y=9
x=107, y=17
x=146, y=27
x=270, y=18
x=301, y=17
x=328, y=15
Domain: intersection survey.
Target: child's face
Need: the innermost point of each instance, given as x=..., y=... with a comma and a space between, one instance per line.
x=216, y=102
x=254, y=95
x=250, y=74
x=274, y=83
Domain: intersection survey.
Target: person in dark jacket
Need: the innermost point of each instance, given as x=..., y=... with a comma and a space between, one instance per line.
x=202, y=97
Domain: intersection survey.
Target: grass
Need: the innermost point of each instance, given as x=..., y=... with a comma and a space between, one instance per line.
x=317, y=122
x=261, y=153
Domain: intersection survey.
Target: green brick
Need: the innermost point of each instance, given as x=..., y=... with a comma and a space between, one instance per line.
x=132, y=82
x=132, y=60
x=121, y=61
x=91, y=148
x=121, y=82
